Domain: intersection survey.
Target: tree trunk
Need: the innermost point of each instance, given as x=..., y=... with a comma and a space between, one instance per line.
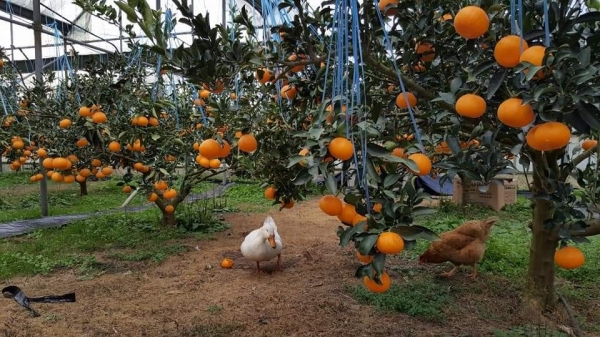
x=540, y=295
x=83, y=188
x=168, y=219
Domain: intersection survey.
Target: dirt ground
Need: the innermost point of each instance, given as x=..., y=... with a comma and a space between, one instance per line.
x=190, y=295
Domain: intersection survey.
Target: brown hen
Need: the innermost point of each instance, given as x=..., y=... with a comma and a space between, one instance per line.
x=464, y=245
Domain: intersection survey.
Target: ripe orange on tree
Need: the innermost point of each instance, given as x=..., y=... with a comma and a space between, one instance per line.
x=247, y=143
x=364, y=258
x=426, y=51
x=471, y=22
x=471, y=106
x=389, y=243
x=569, y=257
x=513, y=113
x=402, y=97
x=126, y=189
x=262, y=75
x=508, y=50
x=214, y=164
x=378, y=288
x=99, y=117
x=64, y=123
x=588, y=144
x=347, y=214
x=423, y=163
x=288, y=92
x=114, y=146
x=341, y=148
x=169, y=209
x=399, y=152
x=209, y=148
x=330, y=205
x=84, y=111
x=535, y=56
x=293, y=58
x=548, y=136
x=270, y=193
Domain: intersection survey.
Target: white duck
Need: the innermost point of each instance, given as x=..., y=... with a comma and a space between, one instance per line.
x=263, y=244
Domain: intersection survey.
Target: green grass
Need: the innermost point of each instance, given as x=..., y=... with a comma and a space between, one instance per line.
x=505, y=265
x=419, y=298
x=118, y=238
x=20, y=201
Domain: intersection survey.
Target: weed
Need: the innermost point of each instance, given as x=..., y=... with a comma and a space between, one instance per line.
x=214, y=309
x=417, y=298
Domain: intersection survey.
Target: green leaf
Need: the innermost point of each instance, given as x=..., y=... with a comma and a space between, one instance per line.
x=378, y=264
x=421, y=210
x=532, y=71
x=331, y=184
x=483, y=67
x=496, y=82
x=155, y=136
x=130, y=12
x=585, y=56
x=590, y=114
x=371, y=171
x=390, y=180
x=445, y=97
x=367, y=243
x=415, y=232
x=455, y=84
x=347, y=235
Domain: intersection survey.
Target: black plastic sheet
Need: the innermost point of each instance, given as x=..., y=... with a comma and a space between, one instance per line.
x=19, y=296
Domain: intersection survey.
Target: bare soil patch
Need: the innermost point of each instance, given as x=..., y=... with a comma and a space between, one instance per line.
x=191, y=295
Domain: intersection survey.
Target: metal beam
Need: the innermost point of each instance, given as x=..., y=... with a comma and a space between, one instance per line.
x=27, y=13
x=37, y=38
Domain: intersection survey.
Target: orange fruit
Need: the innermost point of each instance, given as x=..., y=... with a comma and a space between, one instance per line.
x=114, y=146
x=390, y=12
x=512, y=113
x=330, y=205
x=209, y=148
x=225, y=149
x=18, y=144
x=347, y=214
x=169, y=193
x=169, y=209
x=534, y=55
x=471, y=106
x=96, y=162
x=378, y=288
x=72, y=158
x=65, y=123
x=126, y=189
x=471, y=22
x=99, y=117
x=588, y=144
x=214, y=164
x=288, y=92
x=366, y=259
x=42, y=153
x=227, y=263
x=294, y=58
x=152, y=197
x=107, y=170
x=423, y=163
x=57, y=177
x=204, y=94
x=203, y=161
x=399, y=152
x=84, y=111
x=341, y=148
x=60, y=163
x=263, y=75
x=80, y=178
x=288, y=204
x=425, y=50
x=68, y=179
x=81, y=142
x=569, y=257
x=270, y=193
x=548, y=136
x=153, y=121
x=389, y=243
x=160, y=185
x=142, y=121
x=377, y=208
x=401, y=100
x=85, y=172
x=247, y=143
x=508, y=50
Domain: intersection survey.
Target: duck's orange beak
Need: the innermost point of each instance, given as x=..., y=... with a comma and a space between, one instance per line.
x=272, y=241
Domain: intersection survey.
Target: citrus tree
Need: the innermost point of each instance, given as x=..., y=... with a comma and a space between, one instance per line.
x=445, y=83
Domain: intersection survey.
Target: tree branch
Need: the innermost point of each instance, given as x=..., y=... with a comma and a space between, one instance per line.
x=592, y=229
x=577, y=160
